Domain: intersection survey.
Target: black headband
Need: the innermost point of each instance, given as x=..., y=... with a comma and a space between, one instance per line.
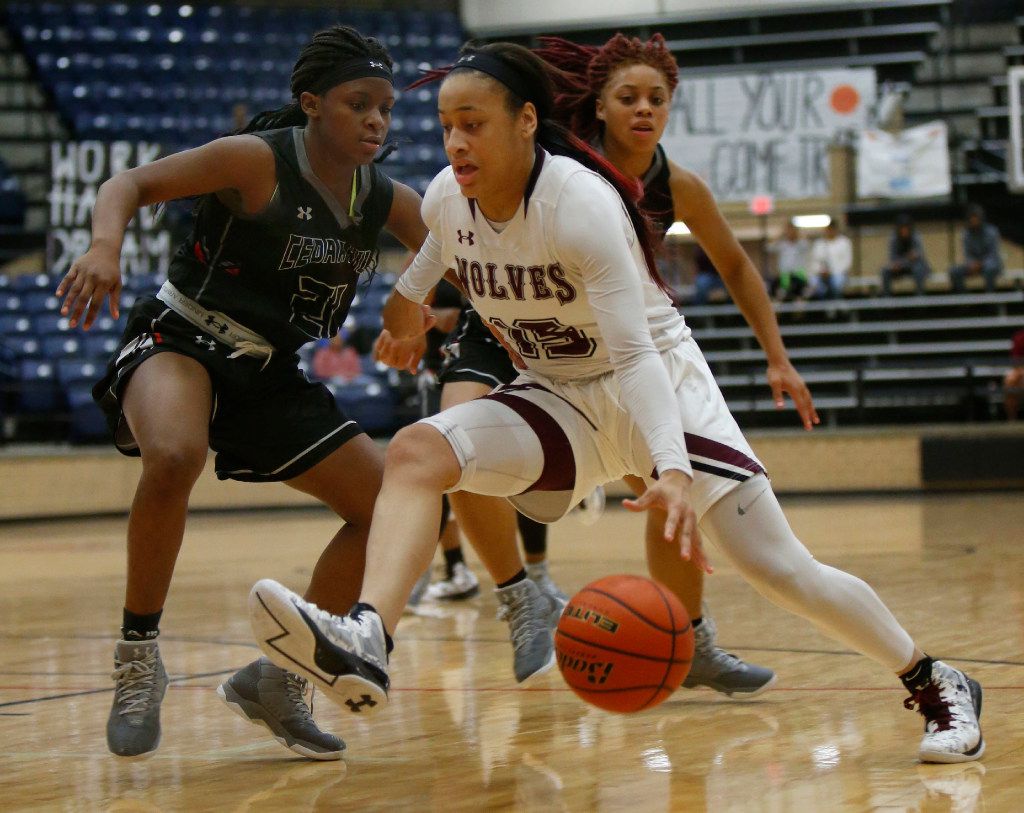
x=358, y=68
x=496, y=68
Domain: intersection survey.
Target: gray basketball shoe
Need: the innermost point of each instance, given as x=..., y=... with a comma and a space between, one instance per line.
x=532, y=616
x=539, y=575
x=719, y=670
x=344, y=656
x=274, y=698
x=140, y=682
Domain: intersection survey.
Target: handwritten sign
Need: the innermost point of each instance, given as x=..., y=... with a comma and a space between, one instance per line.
x=766, y=133
x=77, y=169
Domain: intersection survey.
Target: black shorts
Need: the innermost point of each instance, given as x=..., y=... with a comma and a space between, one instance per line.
x=473, y=354
x=268, y=422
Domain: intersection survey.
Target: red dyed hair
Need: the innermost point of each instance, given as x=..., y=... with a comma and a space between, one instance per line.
x=584, y=70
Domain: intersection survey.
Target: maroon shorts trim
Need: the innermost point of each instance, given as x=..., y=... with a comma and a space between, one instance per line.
x=559, y=472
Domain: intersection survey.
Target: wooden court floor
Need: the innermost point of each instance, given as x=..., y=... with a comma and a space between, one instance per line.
x=460, y=735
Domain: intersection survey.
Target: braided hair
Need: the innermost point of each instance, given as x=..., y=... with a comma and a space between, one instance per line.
x=325, y=50
x=584, y=70
x=542, y=79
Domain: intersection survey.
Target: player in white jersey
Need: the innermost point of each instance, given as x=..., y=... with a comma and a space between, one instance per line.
x=556, y=259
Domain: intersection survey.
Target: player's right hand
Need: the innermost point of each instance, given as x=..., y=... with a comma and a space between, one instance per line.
x=404, y=318
x=402, y=354
x=95, y=276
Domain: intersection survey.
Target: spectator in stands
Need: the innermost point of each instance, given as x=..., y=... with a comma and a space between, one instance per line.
x=830, y=263
x=336, y=359
x=981, y=252
x=790, y=251
x=906, y=256
x=1013, y=381
x=706, y=280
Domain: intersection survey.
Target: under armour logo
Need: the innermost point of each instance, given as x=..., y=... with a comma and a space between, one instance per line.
x=357, y=706
x=205, y=341
x=305, y=213
x=466, y=238
x=467, y=58
x=378, y=65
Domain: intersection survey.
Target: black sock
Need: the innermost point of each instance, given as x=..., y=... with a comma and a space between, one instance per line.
x=534, y=534
x=697, y=621
x=918, y=677
x=451, y=558
x=140, y=627
x=361, y=606
x=520, y=576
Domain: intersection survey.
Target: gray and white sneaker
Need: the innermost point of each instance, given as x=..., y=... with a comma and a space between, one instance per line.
x=951, y=706
x=462, y=584
x=274, y=698
x=344, y=656
x=532, y=617
x=722, y=671
x=539, y=575
x=140, y=683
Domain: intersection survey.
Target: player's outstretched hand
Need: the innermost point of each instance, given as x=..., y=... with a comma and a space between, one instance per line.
x=95, y=276
x=671, y=493
x=402, y=354
x=783, y=378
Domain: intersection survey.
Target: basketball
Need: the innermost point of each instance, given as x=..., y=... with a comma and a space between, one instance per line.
x=624, y=643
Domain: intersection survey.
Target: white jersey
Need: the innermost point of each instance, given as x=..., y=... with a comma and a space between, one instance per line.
x=566, y=283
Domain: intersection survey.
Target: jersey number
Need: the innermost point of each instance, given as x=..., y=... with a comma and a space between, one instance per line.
x=317, y=307
x=557, y=341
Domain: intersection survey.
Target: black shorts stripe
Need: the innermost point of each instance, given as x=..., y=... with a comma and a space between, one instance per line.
x=708, y=469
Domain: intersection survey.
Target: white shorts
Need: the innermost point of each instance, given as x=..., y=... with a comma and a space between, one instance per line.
x=545, y=445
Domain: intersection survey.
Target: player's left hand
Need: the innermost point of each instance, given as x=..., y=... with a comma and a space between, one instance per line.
x=671, y=493
x=783, y=378
x=402, y=354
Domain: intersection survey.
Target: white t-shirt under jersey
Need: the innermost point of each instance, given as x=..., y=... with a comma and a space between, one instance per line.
x=566, y=283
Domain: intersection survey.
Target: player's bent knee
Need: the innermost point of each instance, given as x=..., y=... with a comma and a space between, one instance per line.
x=419, y=452
x=175, y=465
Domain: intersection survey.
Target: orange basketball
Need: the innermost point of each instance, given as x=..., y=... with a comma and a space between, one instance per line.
x=624, y=643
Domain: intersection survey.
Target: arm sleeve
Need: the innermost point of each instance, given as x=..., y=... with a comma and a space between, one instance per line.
x=428, y=266
x=592, y=234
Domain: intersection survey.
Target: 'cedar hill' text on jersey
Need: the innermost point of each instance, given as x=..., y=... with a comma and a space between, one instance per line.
x=289, y=273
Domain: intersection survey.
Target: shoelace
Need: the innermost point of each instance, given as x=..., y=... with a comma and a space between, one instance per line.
x=522, y=626
x=295, y=690
x=135, y=682
x=930, y=704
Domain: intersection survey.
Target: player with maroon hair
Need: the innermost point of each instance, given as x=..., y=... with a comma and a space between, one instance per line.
x=617, y=97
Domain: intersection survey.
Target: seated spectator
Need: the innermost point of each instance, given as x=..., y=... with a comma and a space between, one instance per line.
x=707, y=279
x=1013, y=381
x=906, y=257
x=981, y=252
x=791, y=252
x=336, y=360
x=831, y=261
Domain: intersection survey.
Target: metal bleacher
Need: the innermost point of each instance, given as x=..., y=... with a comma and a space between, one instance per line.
x=915, y=358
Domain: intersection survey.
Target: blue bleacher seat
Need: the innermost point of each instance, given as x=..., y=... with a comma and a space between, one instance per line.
x=76, y=371
x=22, y=346
x=367, y=401
x=45, y=324
x=39, y=301
x=38, y=390
x=87, y=421
x=100, y=346
x=12, y=324
x=57, y=346
x=31, y=282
